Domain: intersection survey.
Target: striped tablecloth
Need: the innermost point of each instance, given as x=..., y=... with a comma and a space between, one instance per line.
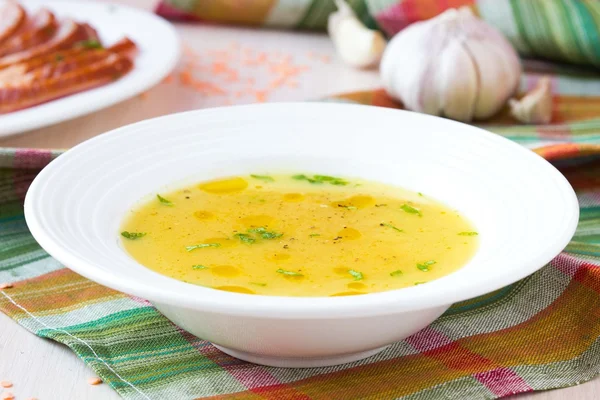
x=561, y=30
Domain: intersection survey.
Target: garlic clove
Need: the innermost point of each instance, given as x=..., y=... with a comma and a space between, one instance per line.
x=493, y=72
x=497, y=66
x=402, y=78
x=457, y=82
x=356, y=45
x=536, y=106
x=428, y=95
x=415, y=77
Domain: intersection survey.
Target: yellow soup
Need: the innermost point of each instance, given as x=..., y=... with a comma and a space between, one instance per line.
x=301, y=235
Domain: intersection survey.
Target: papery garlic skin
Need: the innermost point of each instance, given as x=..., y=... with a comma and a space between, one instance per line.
x=453, y=65
x=356, y=44
x=536, y=106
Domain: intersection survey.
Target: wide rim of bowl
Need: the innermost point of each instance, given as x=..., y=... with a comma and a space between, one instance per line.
x=282, y=307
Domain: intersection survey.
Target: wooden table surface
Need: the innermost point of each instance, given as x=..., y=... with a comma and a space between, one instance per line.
x=48, y=371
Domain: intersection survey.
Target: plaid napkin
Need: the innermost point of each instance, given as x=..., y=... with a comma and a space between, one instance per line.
x=540, y=333
x=562, y=30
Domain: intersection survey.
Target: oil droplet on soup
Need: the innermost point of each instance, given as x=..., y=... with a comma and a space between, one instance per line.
x=225, y=271
x=293, y=197
x=230, y=185
x=298, y=235
x=204, y=215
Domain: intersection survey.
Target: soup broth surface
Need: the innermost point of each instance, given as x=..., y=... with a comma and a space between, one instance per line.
x=298, y=235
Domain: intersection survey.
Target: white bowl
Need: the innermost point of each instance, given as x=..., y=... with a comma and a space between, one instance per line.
x=524, y=209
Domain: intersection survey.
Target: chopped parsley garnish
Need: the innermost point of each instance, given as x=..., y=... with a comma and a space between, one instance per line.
x=260, y=229
x=411, y=210
x=358, y=276
x=264, y=178
x=263, y=233
x=258, y=284
x=419, y=283
x=164, y=201
x=245, y=238
x=133, y=235
x=347, y=207
x=391, y=226
x=339, y=182
x=319, y=179
x=202, y=246
x=314, y=234
x=425, y=266
x=59, y=57
x=199, y=267
x=257, y=233
x=324, y=178
x=91, y=44
x=420, y=194
x=303, y=177
x=288, y=273
x=468, y=234
x=270, y=235
x=396, y=273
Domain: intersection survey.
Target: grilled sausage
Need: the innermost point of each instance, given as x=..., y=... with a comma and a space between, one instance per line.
x=68, y=33
x=16, y=97
x=13, y=17
x=38, y=30
x=54, y=64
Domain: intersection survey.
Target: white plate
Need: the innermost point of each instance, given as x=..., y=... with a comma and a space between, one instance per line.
x=523, y=208
x=159, y=51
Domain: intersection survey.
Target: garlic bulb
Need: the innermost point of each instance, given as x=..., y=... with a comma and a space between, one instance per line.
x=454, y=65
x=356, y=44
x=536, y=106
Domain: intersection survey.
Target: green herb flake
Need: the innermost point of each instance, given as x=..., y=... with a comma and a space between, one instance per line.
x=347, y=207
x=199, y=267
x=411, y=210
x=202, y=246
x=258, y=284
x=257, y=230
x=314, y=234
x=419, y=283
x=245, y=238
x=339, y=182
x=59, y=57
x=391, y=226
x=358, y=276
x=264, y=178
x=320, y=179
x=425, y=266
x=468, y=234
x=288, y=273
x=133, y=235
x=263, y=233
x=396, y=273
x=420, y=194
x=91, y=44
x=164, y=201
x=270, y=235
x=324, y=178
